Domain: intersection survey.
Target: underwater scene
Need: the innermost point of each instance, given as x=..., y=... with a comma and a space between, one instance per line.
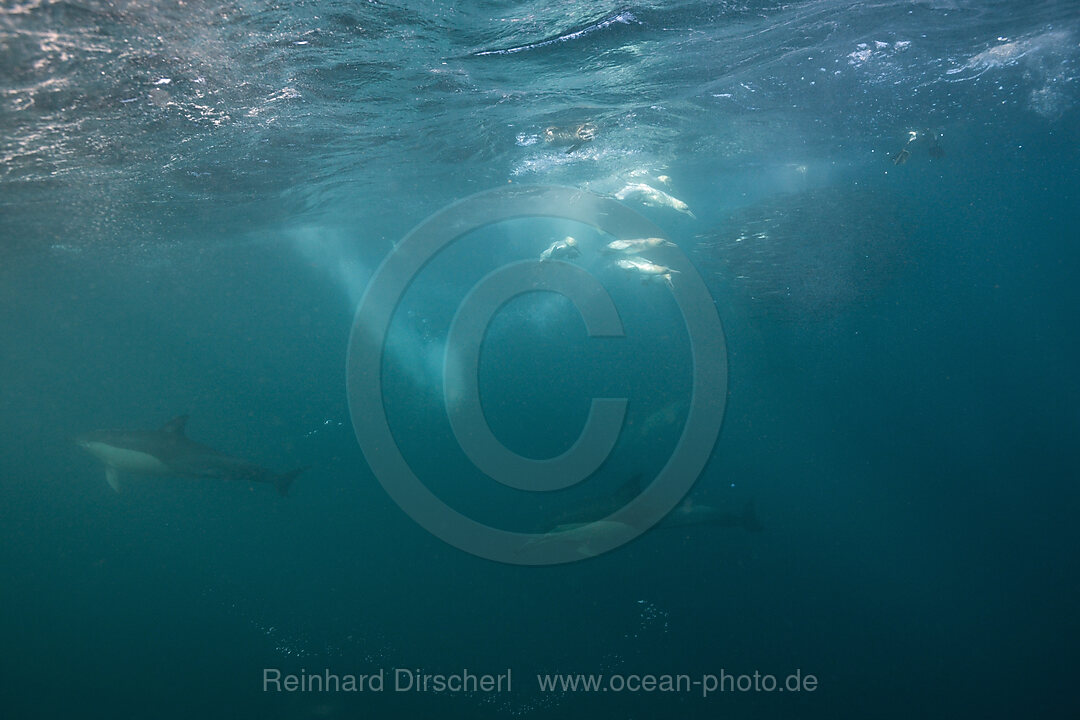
x=567, y=359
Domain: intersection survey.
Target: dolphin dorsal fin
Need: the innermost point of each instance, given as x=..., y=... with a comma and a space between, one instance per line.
x=176, y=425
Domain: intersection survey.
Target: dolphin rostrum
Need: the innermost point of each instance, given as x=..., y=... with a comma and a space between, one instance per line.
x=168, y=451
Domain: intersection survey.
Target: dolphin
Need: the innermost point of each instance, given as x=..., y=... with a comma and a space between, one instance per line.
x=583, y=538
x=584, y=530
x=168, y=451
x=687, y=513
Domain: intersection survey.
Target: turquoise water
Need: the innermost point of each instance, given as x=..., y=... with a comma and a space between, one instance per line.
x=194, y=198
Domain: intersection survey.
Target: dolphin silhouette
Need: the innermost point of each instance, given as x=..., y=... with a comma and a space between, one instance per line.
x=687, y=513
x=168, y=451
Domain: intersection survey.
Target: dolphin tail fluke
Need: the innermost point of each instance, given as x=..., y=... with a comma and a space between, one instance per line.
x=283, y=481
x=748, y=519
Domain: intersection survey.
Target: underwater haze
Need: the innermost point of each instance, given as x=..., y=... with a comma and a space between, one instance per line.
x=881, y=201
